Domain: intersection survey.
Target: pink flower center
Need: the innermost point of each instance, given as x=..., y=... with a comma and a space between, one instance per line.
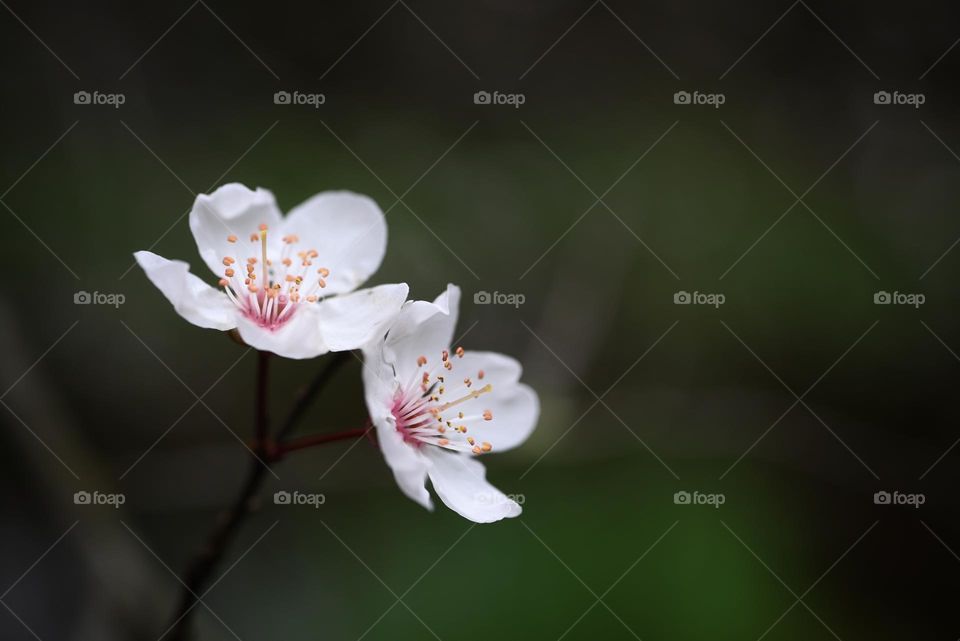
x=269, y=293
x=424, y=415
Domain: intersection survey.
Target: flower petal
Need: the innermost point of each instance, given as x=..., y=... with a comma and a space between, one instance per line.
x=513, y=407
x=193, y=299
x=353, y=320
x=422, y=329
x=347, y=230
x=298, y=338
x=409, y=466
x=233, y=210
x=460, y=482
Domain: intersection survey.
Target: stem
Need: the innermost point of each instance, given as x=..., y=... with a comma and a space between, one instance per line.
x=209, y=557
x=202, y=567
x=282, y=449
x=262, y=421
x=307, y=394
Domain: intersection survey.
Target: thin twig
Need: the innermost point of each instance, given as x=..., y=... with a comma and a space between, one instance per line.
x=302, y=443
x=203, y=565
x=310, y=392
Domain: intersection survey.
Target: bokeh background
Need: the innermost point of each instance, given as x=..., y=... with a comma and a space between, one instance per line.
x=598, y=200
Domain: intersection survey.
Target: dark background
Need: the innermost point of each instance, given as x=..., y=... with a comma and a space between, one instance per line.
x=692, y=398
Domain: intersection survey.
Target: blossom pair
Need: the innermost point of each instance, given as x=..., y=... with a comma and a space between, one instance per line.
x=288, y=285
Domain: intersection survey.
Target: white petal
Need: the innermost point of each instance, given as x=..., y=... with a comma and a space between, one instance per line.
x=193, y=299
x=460, y=482
x=353, y=320
x=514, y=406
x=422, y=329
x=408, y=464
x=349, y=233
x=298, y=338
x=233, y=209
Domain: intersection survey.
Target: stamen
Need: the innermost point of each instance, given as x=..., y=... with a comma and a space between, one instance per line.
x=276, y=289
x=263, y=251
x=474, y=394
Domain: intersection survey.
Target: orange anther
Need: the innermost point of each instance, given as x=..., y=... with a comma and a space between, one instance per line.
x=231, y=238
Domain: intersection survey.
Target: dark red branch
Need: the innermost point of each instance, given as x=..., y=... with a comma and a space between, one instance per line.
x=282, y=449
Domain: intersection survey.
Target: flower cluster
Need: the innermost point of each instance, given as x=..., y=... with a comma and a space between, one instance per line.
x=288, y=285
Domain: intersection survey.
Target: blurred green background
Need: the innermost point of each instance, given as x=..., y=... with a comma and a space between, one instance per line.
x=499, y=199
